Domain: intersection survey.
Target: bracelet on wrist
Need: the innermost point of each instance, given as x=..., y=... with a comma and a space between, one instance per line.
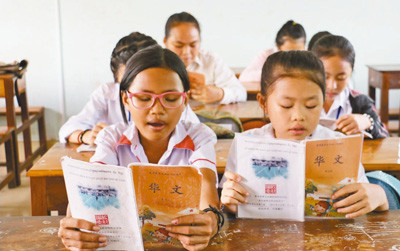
x=81, y=136
x=220, y=216
x=371, y=120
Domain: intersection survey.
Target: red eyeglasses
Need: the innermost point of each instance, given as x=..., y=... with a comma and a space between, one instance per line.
x=146, y=100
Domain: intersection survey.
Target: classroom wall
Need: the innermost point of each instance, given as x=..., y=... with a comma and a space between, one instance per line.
x=68, y=42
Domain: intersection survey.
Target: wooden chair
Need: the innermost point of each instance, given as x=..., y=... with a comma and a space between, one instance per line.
x=7, y=137
x=13, y=85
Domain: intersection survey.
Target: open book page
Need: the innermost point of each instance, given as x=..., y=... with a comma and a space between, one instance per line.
x=273, y=174
x=330, y=165
x=86, y=148
x=162, y=194
x=104, y=194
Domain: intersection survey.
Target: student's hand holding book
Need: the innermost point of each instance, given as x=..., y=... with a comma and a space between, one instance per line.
x=353, y=123
x=361, y=199
x=75, y=239
x=233, y=193
x=194, y=231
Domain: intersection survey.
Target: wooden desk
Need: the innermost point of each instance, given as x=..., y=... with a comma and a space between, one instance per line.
x=244, y=110
x=48, y=188
x=252, y=89
x=385, y=77
x=375, y=231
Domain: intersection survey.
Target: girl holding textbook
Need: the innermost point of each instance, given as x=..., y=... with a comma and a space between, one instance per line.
x=211, y=80
x=103, y=107
x=292, y=94
x=154, y=91
x=354, y=112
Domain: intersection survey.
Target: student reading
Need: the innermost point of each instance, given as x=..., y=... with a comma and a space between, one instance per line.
x=211, y=80
x=291, y=36
x=103, y=107
x=292, y=94
x=353, y=111
x=154, y=90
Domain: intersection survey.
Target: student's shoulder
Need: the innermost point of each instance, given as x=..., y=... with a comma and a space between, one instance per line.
x=107, y=91
x=198, y=132
x=357, y=98
x=113, y=132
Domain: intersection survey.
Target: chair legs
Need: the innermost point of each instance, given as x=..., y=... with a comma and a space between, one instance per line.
x=12, y=178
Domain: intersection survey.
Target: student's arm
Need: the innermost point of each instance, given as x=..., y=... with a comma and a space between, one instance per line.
x=93, y=112
x=87, y=136
x=73, y=238
x=355, y=122
x=362, y=198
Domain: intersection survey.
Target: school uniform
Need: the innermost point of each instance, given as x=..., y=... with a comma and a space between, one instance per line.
x=253, y=71
x=218, y=73
x=189, y=144
x=350, y=101
x=268, y=131
x=104, y=106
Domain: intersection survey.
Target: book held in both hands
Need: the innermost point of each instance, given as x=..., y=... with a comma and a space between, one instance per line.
x=290, y=179
x=132, y=205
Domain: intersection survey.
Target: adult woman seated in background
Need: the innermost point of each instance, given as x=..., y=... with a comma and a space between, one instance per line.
x=291, y=36
x=211, y=80
x=103, y=108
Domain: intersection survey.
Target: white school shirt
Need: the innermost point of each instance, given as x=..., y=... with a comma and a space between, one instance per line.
x=190, y=144
x=343, y=101
x=253, y=71
x=267, y=130
x=104, y=106
x=218, y=73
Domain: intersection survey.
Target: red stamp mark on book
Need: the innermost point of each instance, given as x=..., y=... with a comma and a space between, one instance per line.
x=101, y=219
x=270, y=188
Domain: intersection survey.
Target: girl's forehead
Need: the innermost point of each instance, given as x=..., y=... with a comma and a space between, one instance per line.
x=297, y=87
x=157, y=79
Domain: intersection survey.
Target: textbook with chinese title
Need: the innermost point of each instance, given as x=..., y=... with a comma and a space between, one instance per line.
x=132, y=205
x=275, y=172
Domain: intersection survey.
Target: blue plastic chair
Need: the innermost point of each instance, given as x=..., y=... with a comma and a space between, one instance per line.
x=390, y=184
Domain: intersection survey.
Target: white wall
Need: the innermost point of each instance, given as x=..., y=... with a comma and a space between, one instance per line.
x=234, y=29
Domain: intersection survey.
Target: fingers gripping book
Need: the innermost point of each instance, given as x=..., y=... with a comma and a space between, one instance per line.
x=290, y=180
x=134, y=204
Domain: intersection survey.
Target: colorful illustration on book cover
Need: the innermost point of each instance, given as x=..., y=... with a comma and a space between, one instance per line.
x=318, y=200
x=100, y=197
x=271, y=168
x=162, y=194
x=330, y=165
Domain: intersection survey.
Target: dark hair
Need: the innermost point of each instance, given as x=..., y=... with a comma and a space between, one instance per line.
x=178, y=18
x=290, y=29
x=151, y=57
x=126, y=47
x=292, y=64
x=332, y=45
x=315, y=38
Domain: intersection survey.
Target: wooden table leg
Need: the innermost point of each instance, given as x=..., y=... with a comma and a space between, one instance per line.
x=38, y=196
x=385, y=100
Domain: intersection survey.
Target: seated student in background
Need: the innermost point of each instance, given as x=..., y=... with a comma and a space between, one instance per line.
x=292, y=94
x=291, y=36
x=154, y=90
x=103, y=107
x=211, y=80
x=354, y=112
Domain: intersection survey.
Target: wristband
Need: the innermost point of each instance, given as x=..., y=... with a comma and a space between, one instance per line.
x=81, y=136
x=220, y=216
x=371, y=120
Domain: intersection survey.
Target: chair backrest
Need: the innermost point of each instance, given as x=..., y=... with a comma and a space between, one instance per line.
x=390, y=184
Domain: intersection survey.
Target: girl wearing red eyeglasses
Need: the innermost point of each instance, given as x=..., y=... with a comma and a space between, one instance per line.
x=154, y=91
